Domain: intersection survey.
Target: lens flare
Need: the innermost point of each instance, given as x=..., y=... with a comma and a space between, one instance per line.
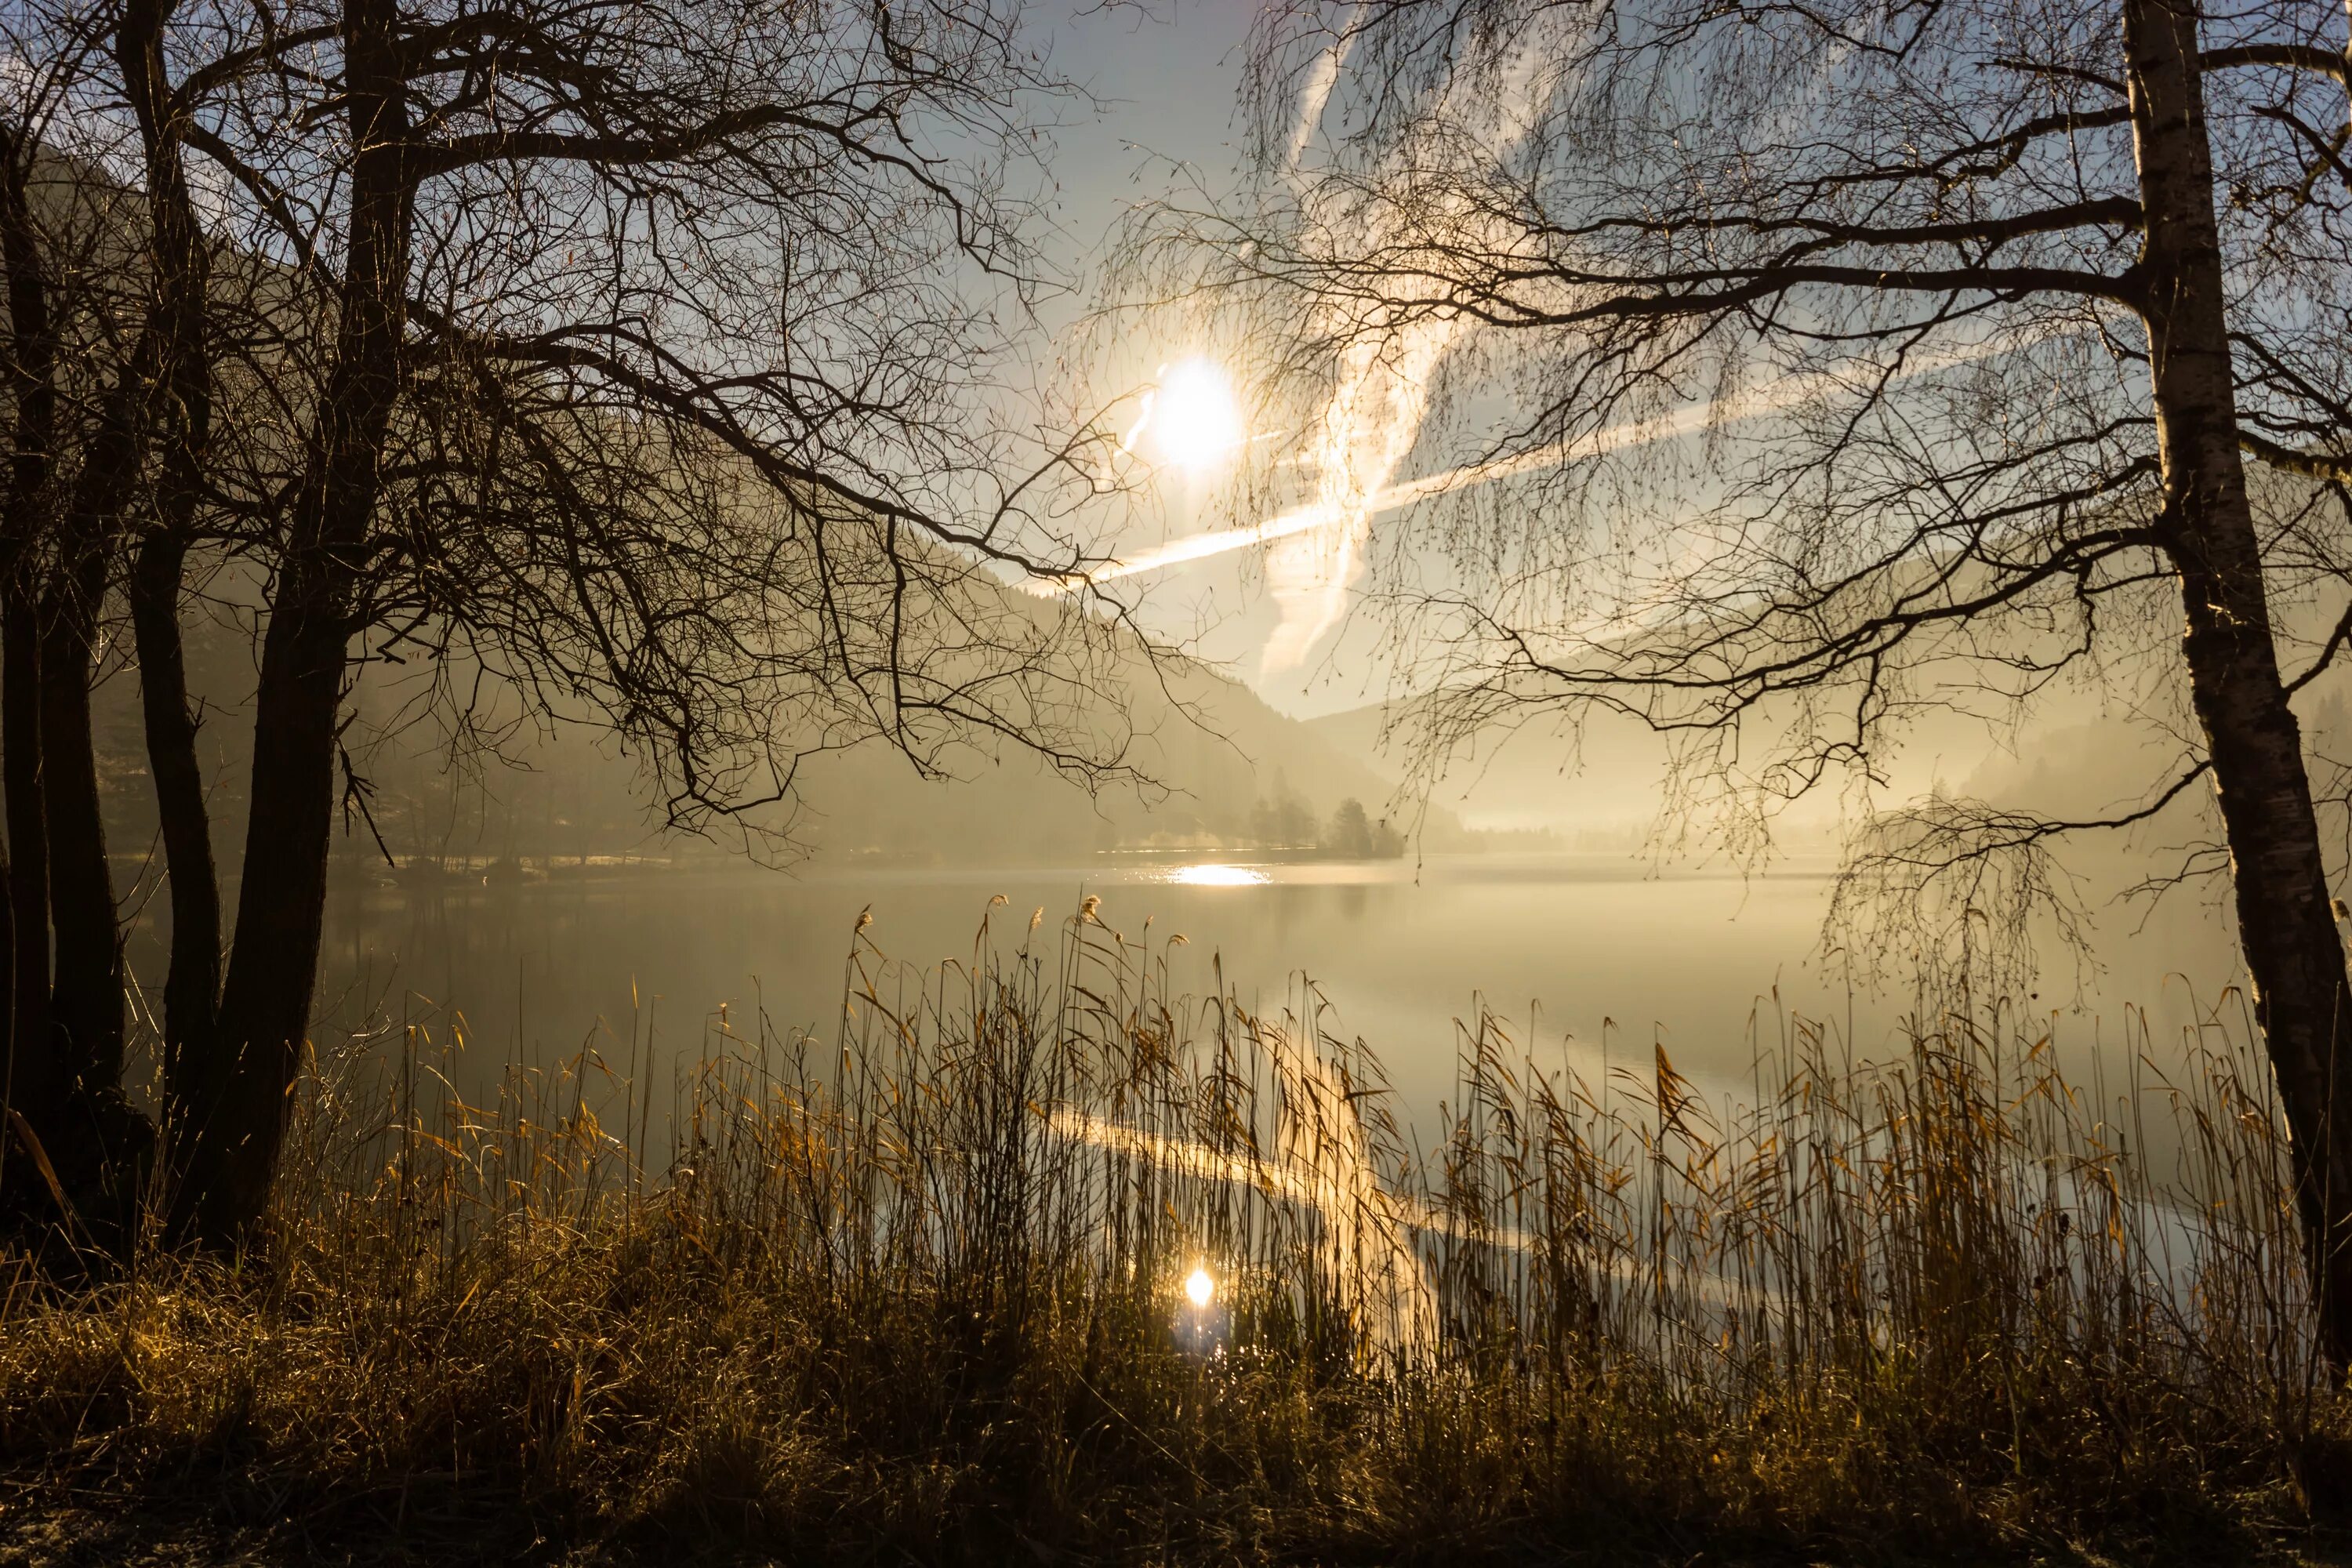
x=1199, y=1288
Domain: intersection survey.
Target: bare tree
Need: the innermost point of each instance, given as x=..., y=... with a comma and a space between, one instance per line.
x=623, y=353
x=78, y=366
x=646, y=336
x=32, y=362
x=1792, y=367
x=185, y=318
x=114, y=329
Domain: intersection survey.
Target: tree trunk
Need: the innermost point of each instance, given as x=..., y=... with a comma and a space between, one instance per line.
x=66, y=1039
x=2294, y=953
x=192, y=982
x=86, y=1001
x=238, y=1096
x=281, y=902
x=102, y=1144
x=37, y=1082
x=33, y=1084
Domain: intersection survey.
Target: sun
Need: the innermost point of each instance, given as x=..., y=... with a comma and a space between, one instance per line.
x=1200, y=1288
x=1192, y=420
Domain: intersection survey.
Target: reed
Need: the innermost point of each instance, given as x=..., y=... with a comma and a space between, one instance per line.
x=919, y=1288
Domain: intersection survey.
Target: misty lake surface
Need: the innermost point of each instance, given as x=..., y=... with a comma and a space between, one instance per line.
x=1606, y=954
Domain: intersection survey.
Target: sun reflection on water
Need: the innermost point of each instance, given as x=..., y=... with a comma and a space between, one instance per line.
x=1199, y=1288
x=1216, y=875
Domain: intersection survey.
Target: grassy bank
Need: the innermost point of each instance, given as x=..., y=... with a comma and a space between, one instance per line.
x=919, y=1292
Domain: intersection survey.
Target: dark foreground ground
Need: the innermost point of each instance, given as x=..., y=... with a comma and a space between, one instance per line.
x=251, y=1523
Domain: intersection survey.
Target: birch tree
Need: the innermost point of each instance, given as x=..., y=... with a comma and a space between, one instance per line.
x=1846, y=352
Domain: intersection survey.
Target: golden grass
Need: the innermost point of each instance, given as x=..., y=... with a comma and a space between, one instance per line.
x=916, y=1293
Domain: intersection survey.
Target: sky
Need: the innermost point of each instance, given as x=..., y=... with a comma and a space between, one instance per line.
x=1168, y=76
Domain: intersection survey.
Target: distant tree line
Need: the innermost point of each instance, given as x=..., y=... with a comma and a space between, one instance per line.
x=1285, y=821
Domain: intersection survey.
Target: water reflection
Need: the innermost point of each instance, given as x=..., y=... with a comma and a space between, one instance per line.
x=1203, y=1323
x=1216, y=875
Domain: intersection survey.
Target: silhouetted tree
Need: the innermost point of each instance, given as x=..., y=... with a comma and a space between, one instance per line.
x=622, y=355
x=650, y=322
x=117, y=334
x=79, y=360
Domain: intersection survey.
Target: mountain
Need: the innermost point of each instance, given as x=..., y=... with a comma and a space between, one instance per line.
x=2083, y=750
x=1219, y=769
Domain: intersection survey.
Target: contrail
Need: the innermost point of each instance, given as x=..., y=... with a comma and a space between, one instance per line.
x=1319, y=83
x=1777, y=397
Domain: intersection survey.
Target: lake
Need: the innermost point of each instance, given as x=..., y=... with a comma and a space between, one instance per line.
x=1603, y=954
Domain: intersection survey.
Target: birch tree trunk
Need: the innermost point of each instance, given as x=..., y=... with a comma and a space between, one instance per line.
x=2285, y=924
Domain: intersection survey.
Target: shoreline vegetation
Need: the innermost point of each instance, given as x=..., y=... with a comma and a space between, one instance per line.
x=932, y=1290
x=1289, y=835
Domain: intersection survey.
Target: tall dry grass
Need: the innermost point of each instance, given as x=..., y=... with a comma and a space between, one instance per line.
x=917, y=1289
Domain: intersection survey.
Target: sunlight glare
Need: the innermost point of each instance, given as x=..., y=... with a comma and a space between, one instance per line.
x=1216, y=877
x=1199, y=1287
x=1192, y=420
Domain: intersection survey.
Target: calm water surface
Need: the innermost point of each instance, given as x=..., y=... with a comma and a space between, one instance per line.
x=1601, y=954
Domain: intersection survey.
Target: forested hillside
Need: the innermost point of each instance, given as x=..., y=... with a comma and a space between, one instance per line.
x=1219, y=769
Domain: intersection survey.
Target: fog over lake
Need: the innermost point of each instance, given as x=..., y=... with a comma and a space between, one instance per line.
x=1611, y=954
x=533, y=899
